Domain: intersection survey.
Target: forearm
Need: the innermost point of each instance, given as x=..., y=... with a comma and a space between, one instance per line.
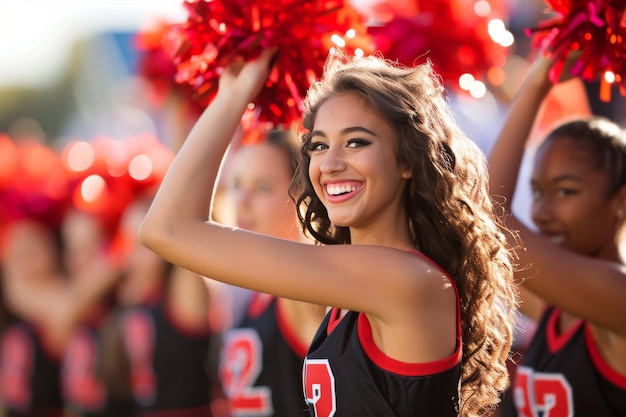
x=186, y=191
x=184, y=197
x=506, y=155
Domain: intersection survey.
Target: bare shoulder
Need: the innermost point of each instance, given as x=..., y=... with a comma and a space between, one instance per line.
x=406, y=282
x=423, y=301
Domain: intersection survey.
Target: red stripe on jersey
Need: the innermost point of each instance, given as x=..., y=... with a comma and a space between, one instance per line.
x=555, y=340
x=598, y=361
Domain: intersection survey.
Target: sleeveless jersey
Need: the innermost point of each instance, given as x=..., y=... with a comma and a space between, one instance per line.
x=565, y=375
x=261, y=363
x=345, y=374
x=29, y=374
x=83, y=389
x=168, y=365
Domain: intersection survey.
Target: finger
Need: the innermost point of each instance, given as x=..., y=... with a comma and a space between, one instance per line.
x=268, y=56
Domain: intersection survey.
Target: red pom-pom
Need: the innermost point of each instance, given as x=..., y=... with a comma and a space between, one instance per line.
x=304, y=31
x=155, y=65
x=34, y=184
x=454, y=35
x=109, y=173
x=595, y=29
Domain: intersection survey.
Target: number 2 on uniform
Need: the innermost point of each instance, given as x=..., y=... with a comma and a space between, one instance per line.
x=536, y=393
x=242, y=362
x=319, y=387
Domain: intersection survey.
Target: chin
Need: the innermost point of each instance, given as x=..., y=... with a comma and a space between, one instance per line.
x=340, y=223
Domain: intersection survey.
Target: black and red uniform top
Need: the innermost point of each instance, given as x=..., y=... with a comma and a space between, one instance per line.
x=84, y=391
x=565, y=375
x=261, y=363
x=345, y=374
x=168, y=363
x=29, y=374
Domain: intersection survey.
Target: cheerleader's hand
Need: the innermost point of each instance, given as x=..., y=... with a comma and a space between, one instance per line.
x=543, y=67
x=247, y=78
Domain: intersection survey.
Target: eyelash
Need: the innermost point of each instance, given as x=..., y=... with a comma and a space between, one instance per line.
x=314, y=146
x=352, y=143
x=358, y=142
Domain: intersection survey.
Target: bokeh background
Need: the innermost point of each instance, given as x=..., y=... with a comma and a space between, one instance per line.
x=69, y=71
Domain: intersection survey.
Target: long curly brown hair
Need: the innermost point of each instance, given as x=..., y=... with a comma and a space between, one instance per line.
x=451, y=216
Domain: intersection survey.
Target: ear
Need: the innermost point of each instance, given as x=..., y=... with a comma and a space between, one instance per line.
x=406, y=173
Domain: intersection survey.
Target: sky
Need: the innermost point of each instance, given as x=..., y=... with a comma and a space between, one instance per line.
x=36, y=35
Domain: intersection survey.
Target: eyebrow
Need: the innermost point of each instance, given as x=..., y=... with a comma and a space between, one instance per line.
x=359, y=129
x=561, y=178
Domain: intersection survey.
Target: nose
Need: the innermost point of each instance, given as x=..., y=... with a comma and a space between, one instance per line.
x=241, y=198
x=542, y=210
x=333, y=161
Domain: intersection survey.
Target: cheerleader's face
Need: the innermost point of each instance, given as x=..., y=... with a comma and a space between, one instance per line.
x=571, y=203
x=259, y=181
x=84, y=241
x=353, y=166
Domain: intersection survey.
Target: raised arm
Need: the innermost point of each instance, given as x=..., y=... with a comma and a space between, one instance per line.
x=508, y=150
x=575, y=283
x=176, y=225
x=197, y=163
x=506, y=157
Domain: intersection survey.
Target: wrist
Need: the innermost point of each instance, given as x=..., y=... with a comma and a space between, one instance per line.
x=538, y=77
x=233, y=98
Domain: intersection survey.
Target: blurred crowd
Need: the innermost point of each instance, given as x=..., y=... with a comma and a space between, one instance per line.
x=85, y=309
x=94, y=324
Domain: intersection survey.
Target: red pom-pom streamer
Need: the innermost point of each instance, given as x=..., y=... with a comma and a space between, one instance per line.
x=453, y=34
x=595, y=29
x=304, y=31
x=34, y=185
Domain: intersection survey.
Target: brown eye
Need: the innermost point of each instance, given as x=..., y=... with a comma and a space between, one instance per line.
x=317, y=146
x=357, y=143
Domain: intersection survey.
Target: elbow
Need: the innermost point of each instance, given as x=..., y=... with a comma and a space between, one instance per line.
x=150, y=233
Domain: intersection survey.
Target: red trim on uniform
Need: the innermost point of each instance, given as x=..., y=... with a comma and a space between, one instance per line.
x=555, y=340
x=152, y=296
x=96, y=315
x=333, y=320
x=397, y=367
x=288, y=332
x=600, y=364
x=383, y=361
x=258, y=303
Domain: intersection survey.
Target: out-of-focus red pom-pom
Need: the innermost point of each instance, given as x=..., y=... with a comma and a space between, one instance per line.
x=453, y=34
x=596, y=30
x=304, y=31
x=34, y=184
x=156, y=66
x=107, y=174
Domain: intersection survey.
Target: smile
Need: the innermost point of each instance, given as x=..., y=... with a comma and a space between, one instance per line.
x=558, y=239
x=339, y=192
x=336, y=189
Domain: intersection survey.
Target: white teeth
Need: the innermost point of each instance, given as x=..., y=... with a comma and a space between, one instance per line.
x=557, y=239
x=337, y=190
